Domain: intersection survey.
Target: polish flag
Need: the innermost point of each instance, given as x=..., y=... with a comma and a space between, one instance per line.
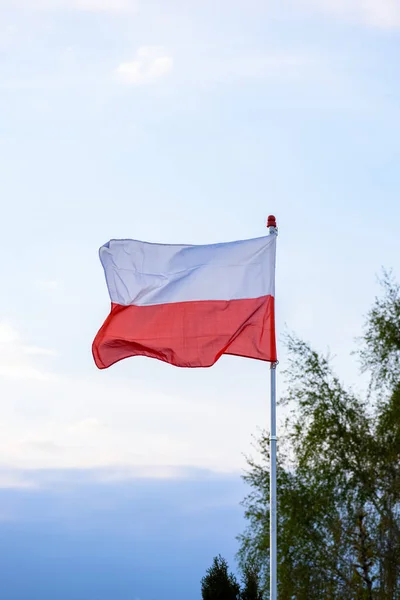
x=188, y=305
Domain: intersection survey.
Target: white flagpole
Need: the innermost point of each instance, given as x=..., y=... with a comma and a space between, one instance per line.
x=273, y=558
x=272, y=490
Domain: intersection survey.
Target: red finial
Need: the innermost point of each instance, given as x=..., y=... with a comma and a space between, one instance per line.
x=271, y=221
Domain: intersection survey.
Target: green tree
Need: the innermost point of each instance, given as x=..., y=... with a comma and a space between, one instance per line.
x=251, y=584
x=338, y=474
x=219, y=584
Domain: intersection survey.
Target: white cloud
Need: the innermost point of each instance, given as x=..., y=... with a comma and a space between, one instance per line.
x=37, y=351
x=47, y=284
x=102, y=5
x=131, y=425
x=262, y=66
x=117, y=473
x=110, y=6
x=13, y=480
x=383, y=14
x=19, y=371
x=43, y=446
x=85, y=427
x=15, y=361
x=151, y=64
x=8, y=335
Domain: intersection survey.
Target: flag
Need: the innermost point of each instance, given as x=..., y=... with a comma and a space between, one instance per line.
x=188, y=305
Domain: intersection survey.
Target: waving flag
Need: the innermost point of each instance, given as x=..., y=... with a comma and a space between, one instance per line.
x=188, y=305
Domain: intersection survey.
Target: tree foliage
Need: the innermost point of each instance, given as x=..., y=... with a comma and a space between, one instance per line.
x=219, y=584
x=338, y=474
x=251, y=584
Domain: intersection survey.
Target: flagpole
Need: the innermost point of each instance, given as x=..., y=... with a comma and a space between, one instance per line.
x=272, y=493
x=273, y=559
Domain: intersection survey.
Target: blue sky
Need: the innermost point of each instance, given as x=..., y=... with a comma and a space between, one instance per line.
x=185, y=122
x=75, y=538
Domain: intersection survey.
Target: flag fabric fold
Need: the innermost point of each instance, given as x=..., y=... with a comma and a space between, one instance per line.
x=188, y=305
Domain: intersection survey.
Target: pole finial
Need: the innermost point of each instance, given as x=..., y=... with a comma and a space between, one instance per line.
x=271, y=224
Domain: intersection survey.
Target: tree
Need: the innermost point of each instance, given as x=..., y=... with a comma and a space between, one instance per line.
x=251, y=584
x=338, y=474
x=219, y=584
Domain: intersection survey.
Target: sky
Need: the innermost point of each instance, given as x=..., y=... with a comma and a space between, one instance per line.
x=179, y=122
